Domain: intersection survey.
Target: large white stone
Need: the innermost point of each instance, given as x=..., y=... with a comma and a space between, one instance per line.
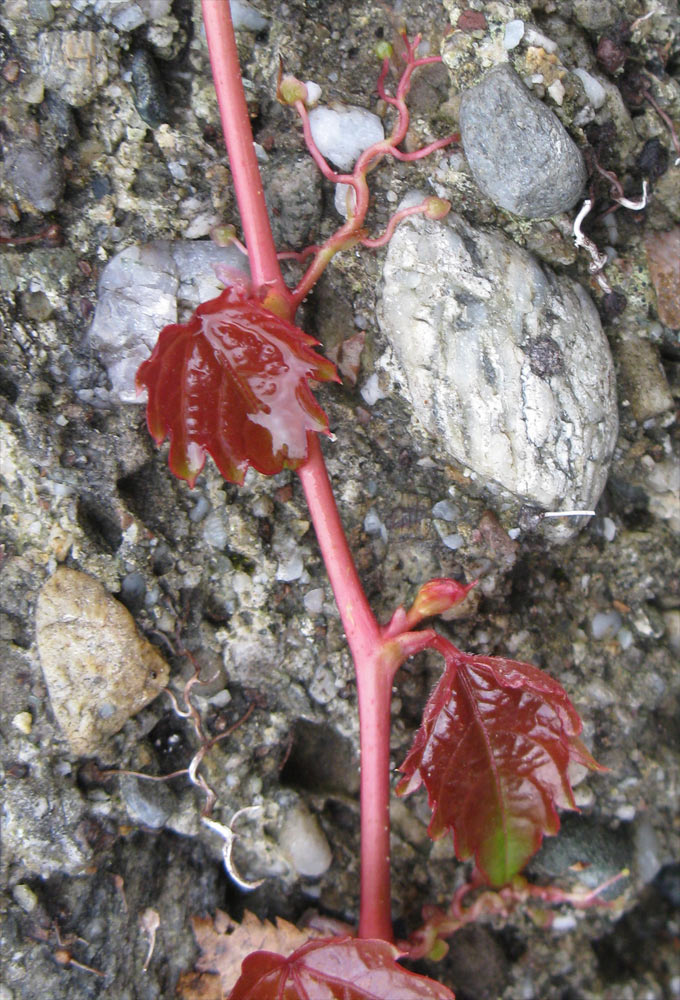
x=503, y=361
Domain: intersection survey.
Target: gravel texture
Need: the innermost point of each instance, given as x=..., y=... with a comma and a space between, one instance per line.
x=233, y=576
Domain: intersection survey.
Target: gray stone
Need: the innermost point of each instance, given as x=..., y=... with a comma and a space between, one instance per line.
x=36, y=174
x=142, y=290
x=149, y=803
x=73, y=63
x=99, y=671
x=505, y=362
x=518, y=151
x=148, y=89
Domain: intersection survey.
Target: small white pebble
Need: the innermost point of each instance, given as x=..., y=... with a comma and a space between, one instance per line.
x=605, y=624
x=557, y=92
x=563, y=922
x=313, y=601
x=370, y=391
x=608, y=529
x=625, y=813
x=342, y=133
x=344, y=196
x=23, y=721
x=199, y=510
x=304, y=842
x=372, y=523
x=595, y=92
x=214, y=532
x=25, y=897
x=514, y=533
x=625, y=638
x=220, y=698
x=453, y=541
x=245, y=16
x=514, y=32
x=445, y=510
x=313, y=93
x=291, y=569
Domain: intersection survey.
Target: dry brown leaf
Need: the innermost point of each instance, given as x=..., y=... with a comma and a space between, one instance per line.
x=347, y=355
x=224, y=944
x=199, y=986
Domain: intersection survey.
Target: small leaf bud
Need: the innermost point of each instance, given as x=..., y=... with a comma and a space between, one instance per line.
x=291, y=90
x=438, y=596
x=223, y=235
x=383, y=50
x=436, y=208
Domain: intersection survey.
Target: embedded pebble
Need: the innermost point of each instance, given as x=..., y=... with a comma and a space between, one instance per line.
x=445, y=510
x=342, y=132
x=35, y=174
x=127, y=15
x=595, y=92
x=99, y=671
x=313, y=601
x=23, y=721
x=215, y=532
x=518, y=150
x=605, y=624
x=148, y=89
x=503, y=361
x=514, y=32
x=142, y=290
x=244, y=16
x=149, y=803
x=73, y=63
x=290, y=569
x=303, y=840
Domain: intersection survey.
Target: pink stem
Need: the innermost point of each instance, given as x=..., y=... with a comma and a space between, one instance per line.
x=404, y=213
x=374, y=683
x=238, y=136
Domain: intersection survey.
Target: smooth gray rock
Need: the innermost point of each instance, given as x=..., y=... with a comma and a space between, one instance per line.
x=519, y=152
x=503, y=361
x=142, y=290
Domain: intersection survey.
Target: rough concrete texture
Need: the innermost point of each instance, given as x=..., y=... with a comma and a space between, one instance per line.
x=233, y=577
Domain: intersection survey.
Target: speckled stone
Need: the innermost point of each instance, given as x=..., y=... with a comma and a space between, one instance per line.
x=98, y=670
x=519, y=152
x=73, y=63
x=503, y=361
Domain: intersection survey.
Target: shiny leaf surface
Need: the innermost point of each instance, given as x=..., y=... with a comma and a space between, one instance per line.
x=233, y=382
x=334, y=969
x=493, y=752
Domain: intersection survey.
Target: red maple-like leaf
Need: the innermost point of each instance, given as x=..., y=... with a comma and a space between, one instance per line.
x=233, y=382
x=334, y=969
x=493, y=751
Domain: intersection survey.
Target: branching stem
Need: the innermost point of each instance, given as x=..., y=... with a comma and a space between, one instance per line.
x=377, y=653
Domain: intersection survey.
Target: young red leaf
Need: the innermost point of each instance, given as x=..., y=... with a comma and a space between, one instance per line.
x=493, y=751
x=334, y=969
x=233, y=382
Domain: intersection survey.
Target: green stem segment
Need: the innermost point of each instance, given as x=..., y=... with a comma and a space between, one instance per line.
x=374, y=665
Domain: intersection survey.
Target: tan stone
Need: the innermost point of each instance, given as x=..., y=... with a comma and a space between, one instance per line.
x=99, y=671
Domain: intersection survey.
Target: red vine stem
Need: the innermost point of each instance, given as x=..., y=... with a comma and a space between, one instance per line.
x=373, y=663
x=238, y=136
